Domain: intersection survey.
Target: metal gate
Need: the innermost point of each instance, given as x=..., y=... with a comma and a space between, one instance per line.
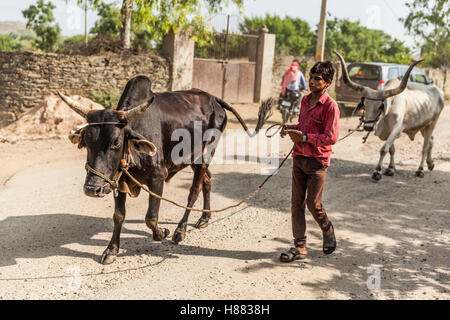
x=226, y=67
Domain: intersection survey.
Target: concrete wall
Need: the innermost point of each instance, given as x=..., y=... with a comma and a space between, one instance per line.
x=179, y=49
x=26, y=78
x=264, y=65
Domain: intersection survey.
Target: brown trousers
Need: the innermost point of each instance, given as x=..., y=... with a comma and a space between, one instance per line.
x=308, y=181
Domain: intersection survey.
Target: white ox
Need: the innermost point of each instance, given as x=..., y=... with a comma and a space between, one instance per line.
x=403, y=108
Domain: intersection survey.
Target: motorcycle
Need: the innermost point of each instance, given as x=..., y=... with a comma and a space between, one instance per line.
x=289, y=106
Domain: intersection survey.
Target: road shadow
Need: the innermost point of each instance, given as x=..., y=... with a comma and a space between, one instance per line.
x=47, y=235
x=407, y=258
x=399, y=212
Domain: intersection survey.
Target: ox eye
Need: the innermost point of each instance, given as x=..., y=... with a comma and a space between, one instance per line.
x=116, y=144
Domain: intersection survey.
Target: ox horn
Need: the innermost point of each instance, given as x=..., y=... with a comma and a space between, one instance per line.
x=74, y=105
x=366, y=91
x=392, y=92
x=139, y=110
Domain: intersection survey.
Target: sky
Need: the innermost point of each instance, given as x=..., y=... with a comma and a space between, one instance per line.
x=375, y=14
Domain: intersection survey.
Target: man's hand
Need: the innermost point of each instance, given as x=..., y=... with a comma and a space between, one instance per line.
x=296, y=136
x=283, y=131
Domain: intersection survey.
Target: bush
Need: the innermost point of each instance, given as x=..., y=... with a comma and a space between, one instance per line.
x=108, y=99
x=7, y=43
x=293, y=35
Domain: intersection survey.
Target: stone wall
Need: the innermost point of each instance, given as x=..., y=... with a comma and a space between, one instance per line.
x=26, y=78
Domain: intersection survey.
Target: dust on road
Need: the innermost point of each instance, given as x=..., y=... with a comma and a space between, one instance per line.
x=52, y=236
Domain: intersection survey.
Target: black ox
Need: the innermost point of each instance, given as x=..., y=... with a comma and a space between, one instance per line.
x=142, y=126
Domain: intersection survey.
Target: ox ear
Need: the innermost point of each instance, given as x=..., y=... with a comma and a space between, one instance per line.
x=77, y=138
x=143, y=146
x=139, y=143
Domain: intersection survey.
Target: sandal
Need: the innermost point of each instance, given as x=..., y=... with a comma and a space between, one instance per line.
x=292, y=254
x=329, y=242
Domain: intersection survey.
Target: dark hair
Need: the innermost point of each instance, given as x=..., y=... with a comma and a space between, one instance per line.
x=326, y=69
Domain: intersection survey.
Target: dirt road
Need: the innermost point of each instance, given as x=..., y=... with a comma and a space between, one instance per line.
x=393, y=236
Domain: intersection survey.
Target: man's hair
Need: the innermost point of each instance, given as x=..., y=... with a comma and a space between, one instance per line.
x=326, y=69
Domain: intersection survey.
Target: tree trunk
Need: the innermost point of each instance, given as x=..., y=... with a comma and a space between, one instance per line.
x=127, y=6
x=86, y=39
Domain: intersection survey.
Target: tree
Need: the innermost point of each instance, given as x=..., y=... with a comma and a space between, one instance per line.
x=158, y=17
x=125, y=34
x=109, y=25
x=41, y=20
x=429, y=22
x=293, y=35
x=359, y=43
x=84, y=4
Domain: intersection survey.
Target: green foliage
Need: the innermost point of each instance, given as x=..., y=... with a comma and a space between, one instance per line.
x=108, y=99
x=429, y=22
x=90, y=3
x=143, y=40
x=73, y=45
x=22, y=40
x=358, y=43
x=152, y=19
x=8, y=43
x=354, y=41
x=437, y=54
x=74, y=40
x=293, y=35
x=41, y=20
x=158, y=17
x=109, y=24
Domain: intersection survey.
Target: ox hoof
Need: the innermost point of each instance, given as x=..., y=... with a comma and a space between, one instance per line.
x=431, y=167
x=108, y=258
x=389, y=172
x=202, y=223
x=376, y=176
x=419, y=173
x=161, y=234
x=178, y=236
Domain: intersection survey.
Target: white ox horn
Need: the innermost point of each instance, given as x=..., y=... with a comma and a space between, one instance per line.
x=365, y=91
x=369, y=92
x=392, y=92
x=74, y=105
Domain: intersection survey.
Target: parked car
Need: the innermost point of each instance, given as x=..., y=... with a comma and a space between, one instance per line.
x=373, y=75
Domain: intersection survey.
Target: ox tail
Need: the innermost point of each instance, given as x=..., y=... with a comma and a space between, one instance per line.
x=264, y=113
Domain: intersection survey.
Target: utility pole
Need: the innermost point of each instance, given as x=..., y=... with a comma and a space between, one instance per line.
x=85, y=24
x=321, y=32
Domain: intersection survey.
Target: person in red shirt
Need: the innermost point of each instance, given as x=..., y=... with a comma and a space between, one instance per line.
x=317, y=130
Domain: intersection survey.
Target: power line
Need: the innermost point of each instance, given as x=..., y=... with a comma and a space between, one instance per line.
x=392, y=10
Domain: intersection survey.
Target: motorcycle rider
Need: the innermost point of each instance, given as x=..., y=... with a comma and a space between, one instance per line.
x=293, y=80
